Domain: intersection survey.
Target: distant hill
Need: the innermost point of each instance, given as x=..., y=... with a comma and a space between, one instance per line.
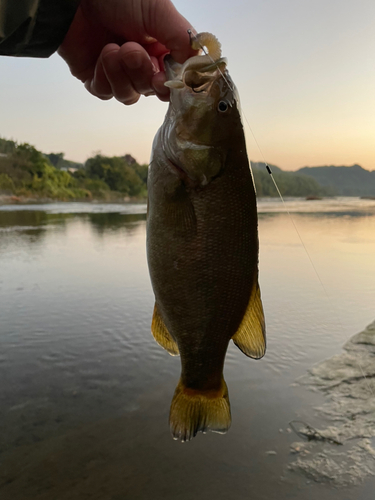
x=344, y=181
x=289, y=183
x=260, y=165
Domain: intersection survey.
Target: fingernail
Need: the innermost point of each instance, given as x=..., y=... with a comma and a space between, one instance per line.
x=134, y=60
x=149, y=93
x=155, y=69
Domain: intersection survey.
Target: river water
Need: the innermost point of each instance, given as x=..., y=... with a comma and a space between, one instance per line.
x=85, y=390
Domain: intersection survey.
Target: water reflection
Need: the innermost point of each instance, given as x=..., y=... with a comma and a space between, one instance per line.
x=23, y=219
x=85, y=391
x=21, y=228
x=112, y=222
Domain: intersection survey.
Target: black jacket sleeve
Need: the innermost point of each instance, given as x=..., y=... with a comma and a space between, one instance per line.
x=34, y=28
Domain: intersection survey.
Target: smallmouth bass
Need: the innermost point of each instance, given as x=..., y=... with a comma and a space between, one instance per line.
x=202, y=239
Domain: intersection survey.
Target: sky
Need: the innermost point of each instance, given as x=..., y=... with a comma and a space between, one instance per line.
x=305, y=71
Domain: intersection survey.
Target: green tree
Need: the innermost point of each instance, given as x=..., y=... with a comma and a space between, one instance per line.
x=117, y=174
x=6, y=183
x=6, y=146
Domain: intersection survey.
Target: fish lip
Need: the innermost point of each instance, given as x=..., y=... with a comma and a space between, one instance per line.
x=171, y=67
x=173, y=73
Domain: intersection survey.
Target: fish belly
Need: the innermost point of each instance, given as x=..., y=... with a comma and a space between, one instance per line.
x=203, y=260
x=202, y=249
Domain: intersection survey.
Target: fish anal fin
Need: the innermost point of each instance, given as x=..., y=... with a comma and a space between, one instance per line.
x=250, y=337
x=194, y=411
x=161, y=334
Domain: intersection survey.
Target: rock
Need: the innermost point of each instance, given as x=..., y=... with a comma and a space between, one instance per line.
x=348, y=382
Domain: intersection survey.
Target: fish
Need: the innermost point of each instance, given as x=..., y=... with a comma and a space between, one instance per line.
x=202, y=239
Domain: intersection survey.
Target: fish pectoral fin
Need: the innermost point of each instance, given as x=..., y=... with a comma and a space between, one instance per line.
x=251, y=334
x=161, y=334
x=180, y=215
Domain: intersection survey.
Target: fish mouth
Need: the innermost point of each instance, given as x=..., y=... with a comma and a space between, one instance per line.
x=196, y=76
x=172, y=68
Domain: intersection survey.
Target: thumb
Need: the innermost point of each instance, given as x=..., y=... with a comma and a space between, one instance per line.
x=163, y=22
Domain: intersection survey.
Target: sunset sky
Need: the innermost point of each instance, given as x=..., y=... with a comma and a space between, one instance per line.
x=305, y=71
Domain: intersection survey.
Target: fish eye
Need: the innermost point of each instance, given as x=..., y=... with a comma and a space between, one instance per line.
x=222, y=106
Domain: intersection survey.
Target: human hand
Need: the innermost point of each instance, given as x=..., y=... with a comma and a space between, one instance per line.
x=116, y=47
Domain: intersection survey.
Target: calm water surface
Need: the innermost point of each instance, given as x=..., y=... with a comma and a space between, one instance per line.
x=85, y=390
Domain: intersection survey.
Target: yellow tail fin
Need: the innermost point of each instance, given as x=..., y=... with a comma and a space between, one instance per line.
x=194, y=411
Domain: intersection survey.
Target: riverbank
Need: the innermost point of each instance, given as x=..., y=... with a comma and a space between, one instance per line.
x=6, y=199
x=342, y=451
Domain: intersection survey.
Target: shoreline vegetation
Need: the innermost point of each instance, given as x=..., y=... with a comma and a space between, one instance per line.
x=31, y=176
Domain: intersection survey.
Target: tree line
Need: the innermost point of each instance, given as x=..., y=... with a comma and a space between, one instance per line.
x=27, y=172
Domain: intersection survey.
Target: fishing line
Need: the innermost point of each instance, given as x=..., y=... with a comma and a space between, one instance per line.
x=191, y=34
x=309, y=257
x=312, y=263
x=268, y=168
x=314, y=268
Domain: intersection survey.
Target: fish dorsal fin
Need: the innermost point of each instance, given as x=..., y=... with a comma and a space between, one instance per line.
x=161, y=334
x=251, y=334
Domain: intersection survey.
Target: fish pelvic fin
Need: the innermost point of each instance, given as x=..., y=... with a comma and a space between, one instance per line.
x=194, y=411
x=251, y=334
x=161, y=334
